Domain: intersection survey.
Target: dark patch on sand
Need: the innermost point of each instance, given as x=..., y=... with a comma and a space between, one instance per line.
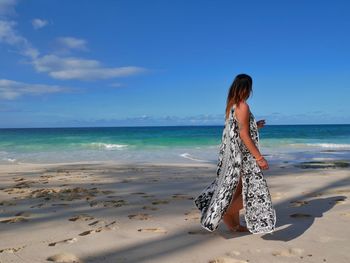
x=323, y=164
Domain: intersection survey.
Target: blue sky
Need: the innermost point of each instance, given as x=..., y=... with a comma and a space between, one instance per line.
x=131, y=63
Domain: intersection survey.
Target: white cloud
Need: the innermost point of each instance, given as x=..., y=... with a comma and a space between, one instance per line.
x=63, y=68
x=72, y=43
x=82, y=69
x=8, y=34
x=11, y=37
x=7, y=7
x=38, y=23
x=146, y=120
x=10, y=89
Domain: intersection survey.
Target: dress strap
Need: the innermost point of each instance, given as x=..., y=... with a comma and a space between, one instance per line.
x=234, y=112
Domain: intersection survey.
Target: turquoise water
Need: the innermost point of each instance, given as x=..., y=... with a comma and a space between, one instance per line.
x=168, y=144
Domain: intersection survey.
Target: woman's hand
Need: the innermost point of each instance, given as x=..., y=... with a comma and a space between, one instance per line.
x=260, y=123
x=262, y=163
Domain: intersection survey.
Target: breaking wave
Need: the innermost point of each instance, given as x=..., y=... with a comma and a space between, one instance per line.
x=108, y=146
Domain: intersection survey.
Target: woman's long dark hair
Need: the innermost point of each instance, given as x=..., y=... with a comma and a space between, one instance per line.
x=240, y=90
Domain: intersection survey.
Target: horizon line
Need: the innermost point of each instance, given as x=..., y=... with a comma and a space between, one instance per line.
x=159, y=126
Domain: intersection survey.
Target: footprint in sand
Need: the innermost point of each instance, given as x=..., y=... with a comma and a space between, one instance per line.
x=300, y=215
x=159, y=202
x=82, y=217
x=298, y=203
x=154, y=180
x=11, y=250
x=20, y=179
x=108, y=203
x=37, y=206
x=16, y=190
x=64, y=258
x=126, y=181
x=192, y=215
x=199, y=232
x=96, y=222
x=143, y=194
x=17, y=219
x=138, y=193
x=152, y=208
x=65, y=194
x=153, y=230
x=7, y=203
x=147, y=196
x=65, y=241
x=88, y=232
x=24, y=214
x=46, y=176
x=140, y=216
x=24, y=184
x=182, y=197
x=99, y=229
x=289, y=252
x=107, y=192
x=227, y=260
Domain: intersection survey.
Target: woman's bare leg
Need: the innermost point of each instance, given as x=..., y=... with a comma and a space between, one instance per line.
x=231, y=217
x=237, y=201
x=236, y=207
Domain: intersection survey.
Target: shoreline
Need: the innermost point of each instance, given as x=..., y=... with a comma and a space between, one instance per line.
x=189, y=162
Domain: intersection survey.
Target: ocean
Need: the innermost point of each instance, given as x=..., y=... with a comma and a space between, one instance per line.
x=181, y=144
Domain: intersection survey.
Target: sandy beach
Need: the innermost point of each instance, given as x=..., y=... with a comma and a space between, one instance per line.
x=116, y=115
x=110, y=212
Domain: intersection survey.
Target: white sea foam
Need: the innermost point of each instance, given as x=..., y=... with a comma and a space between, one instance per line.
x=108, y=146
x=10, y=160
x=325, y=145
x=189, y=156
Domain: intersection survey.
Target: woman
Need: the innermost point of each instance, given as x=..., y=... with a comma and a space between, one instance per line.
x=239, y=178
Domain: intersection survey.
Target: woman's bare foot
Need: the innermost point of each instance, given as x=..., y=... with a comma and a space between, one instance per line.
x=229, y=221
x=240, y=228
x=233, y=224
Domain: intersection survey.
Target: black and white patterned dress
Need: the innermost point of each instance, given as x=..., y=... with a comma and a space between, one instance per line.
x=235, y=160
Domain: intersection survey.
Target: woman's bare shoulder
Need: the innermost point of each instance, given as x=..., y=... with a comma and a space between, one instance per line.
x=243, y=107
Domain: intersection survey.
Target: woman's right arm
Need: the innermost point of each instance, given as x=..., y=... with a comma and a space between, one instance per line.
x=242, y=115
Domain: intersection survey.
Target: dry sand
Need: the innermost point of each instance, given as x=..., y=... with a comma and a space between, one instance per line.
x=109, y=212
